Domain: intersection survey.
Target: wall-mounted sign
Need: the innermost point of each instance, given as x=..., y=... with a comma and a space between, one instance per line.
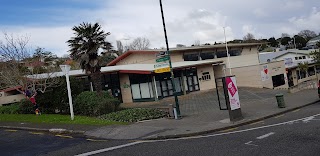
x=265, y=73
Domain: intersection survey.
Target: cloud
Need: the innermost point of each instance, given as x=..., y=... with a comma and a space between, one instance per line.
x=186, y=21
x=293, y=5
x=260, y=12
x=51, y=38
x=310, y=22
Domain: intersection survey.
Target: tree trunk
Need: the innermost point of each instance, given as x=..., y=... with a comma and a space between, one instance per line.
x=96, y=80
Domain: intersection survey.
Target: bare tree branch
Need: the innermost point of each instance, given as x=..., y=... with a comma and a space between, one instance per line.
x=18, y=69
x=140, y=43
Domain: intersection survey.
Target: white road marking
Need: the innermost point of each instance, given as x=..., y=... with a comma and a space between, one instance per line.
x=266, y=135
x=194, y=137
x=108, y=149
x=308, y=119
x=249, y=143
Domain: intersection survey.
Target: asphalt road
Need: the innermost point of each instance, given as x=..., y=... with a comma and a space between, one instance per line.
x=294, y=133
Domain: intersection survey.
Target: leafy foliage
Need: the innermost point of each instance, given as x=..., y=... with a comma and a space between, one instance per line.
x=90, y=104
x=89, y=38
x=134, y=115
x=26, y=107
x=11, y=109
x=57, y=98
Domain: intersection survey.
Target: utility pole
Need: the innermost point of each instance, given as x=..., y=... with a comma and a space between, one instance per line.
x=225, y=39
x=171, y=70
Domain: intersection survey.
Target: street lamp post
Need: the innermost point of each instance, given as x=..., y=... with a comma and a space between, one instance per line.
x=228, y=55
x=65, y=69
x=171, y=70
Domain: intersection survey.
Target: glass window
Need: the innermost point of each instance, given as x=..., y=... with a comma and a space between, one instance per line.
x=145, y=91
x=235, y=52
x=177, y=84
x=135, y=91
x=278, y=80
x=151, y=89
x=207, y=55
x=158, y=88
x=191, y=57
x=221, y=54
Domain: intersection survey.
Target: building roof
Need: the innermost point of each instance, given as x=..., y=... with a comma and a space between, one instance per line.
x=131, y=68
x=313, y=41
x=264, y=57
x=154, y=51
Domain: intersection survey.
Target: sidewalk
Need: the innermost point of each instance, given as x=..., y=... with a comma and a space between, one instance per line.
x=201, y=114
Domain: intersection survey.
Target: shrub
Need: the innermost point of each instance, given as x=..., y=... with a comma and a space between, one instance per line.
x=57, y=98
x=10, y=109
x=25, y=107
x=134, y=115
x=91, y=104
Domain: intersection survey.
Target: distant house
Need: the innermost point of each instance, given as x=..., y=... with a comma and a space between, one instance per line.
x=10, y=95
x=292, y=58
x=313, y=42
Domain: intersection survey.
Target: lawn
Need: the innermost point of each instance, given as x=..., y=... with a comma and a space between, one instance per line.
x=56, y=119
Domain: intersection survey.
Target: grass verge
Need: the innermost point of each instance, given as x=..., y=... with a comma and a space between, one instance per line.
x=56, y=119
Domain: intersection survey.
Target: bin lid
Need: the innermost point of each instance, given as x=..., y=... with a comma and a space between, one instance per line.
x=279, y=94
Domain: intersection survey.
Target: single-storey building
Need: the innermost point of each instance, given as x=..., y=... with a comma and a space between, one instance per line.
x=132, y=78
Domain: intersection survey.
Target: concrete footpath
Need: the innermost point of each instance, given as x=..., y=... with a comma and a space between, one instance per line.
x=200, y=115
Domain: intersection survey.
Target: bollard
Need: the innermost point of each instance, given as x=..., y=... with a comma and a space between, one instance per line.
x=175, y=113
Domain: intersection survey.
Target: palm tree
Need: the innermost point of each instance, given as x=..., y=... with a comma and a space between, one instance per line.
x=85, y=47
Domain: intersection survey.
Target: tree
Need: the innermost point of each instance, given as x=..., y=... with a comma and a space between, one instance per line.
x=307, y=34
x=316, y=54
x=285, y=35
x=85, y=45
x=249, y=38
x=139, y=43
x=272, y=41
x=18, y=69
x=299, y=41
x=304, y=68
x=316, y=57
x=120, y=47
x=285, y=40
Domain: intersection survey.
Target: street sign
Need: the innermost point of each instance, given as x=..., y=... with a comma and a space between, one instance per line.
x=162, y=70
x=162, y=59
x=162, y=53
x=161, y=65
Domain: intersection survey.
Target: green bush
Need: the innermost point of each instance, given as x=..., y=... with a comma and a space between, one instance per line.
x=10, y=109
x=91, y=104
x=134, y=115
x=25, y=107
x=57, y=98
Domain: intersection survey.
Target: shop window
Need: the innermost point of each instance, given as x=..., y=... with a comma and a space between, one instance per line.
x=311, y=71
x=221, y=54
x=235, y=52
x=278, y=80
x=207, y=55
x=191, y=57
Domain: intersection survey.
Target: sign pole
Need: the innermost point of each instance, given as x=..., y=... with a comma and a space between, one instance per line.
x=171, y=71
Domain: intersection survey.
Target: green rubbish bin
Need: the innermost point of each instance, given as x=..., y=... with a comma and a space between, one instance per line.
x=280, y=101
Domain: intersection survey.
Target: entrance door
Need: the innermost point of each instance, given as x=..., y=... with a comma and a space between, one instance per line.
x=191, y=78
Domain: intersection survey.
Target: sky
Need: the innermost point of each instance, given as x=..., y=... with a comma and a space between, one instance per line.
x=48, y=23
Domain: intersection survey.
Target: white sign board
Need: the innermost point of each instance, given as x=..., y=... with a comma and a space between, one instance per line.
x=233, y=93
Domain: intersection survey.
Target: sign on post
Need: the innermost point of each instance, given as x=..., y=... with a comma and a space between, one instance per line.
x=162, y=62
x=233, y=93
